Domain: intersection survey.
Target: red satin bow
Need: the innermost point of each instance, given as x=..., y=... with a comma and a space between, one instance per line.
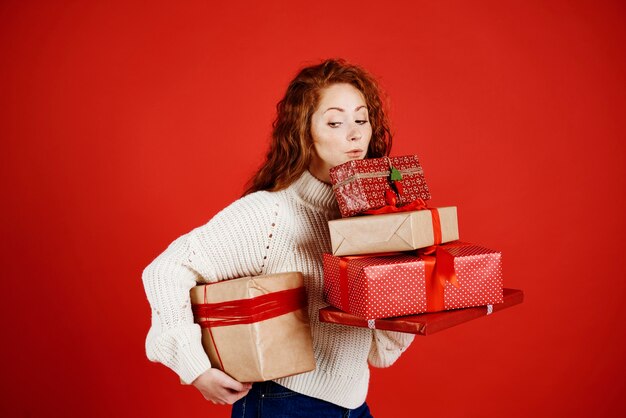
x=418, y=204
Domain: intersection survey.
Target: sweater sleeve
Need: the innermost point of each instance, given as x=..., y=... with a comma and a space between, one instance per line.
x=387, y=346
x=230, y=245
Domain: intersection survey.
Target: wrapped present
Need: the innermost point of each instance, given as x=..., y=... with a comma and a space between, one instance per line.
x=454, y=275
x=425, y=323
x=362, y=185
x=400, y=231
x=255, y=328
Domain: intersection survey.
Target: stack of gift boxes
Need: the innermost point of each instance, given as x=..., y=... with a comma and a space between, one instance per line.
x=392, y=255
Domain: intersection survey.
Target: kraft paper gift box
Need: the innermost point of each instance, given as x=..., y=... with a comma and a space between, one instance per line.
x=459, y=275
x=362, y=185
x=256, y=328
x=401, y=231
x=424, y=323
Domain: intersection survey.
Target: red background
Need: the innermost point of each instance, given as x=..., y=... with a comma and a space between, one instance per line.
x=125, y=124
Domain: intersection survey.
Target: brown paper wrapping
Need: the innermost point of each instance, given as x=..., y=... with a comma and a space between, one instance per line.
x=402, y=231
x=264, y=350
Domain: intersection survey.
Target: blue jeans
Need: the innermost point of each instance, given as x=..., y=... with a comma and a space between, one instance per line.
x=271, y=400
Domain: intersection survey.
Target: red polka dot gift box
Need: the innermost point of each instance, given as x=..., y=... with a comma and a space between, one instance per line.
x=372, y=183
x=454, y=275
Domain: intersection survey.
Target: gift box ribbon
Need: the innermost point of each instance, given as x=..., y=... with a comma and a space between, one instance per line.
x=439, y=270
x=247, y=311
x=371, y=175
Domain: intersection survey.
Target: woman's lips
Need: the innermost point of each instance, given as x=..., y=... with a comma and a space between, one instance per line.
x=355, y=153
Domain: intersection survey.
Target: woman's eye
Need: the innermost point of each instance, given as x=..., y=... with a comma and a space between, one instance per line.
x=362, y=121
x=334, y=124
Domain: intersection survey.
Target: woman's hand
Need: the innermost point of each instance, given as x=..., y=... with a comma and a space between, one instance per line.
x=219, y=388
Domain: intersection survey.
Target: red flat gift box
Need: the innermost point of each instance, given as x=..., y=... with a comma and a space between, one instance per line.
x=425, y=323
x=360, y=185
x=460, y=275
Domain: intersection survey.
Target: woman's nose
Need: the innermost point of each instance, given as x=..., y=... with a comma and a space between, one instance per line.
x=355, y=133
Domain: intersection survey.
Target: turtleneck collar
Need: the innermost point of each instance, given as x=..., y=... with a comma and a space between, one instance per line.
x=315, y=192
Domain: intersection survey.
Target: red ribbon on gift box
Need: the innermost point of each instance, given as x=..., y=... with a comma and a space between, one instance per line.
x=439, y=271
x=247, y=311
x=415, y=205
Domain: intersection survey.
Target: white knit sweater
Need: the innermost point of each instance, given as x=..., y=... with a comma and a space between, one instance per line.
x=262, y=233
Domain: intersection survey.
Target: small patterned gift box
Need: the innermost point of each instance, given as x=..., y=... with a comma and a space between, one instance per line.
x=457, y=275
x=362, y=185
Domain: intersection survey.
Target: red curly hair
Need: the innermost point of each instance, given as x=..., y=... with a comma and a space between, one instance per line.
x=290, y=147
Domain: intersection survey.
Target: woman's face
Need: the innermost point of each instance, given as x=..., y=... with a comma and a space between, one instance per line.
x=340, y=129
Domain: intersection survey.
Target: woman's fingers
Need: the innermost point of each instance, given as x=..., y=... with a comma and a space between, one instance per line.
x=219, y=388
x=239, y=395
x=230, y=396
x=233, y=384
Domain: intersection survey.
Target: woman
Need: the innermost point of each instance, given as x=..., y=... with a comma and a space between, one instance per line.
x=331, y=113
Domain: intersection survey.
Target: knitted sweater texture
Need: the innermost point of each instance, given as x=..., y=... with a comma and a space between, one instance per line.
x=264, y=233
